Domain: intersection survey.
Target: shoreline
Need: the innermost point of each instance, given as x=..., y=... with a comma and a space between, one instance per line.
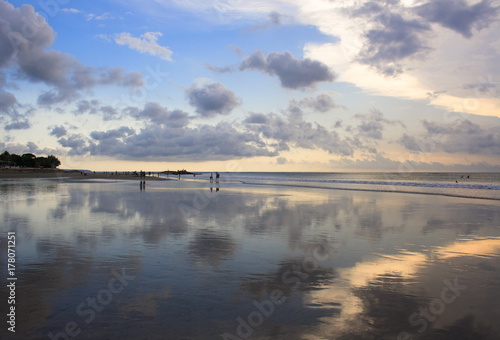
x=73, y=174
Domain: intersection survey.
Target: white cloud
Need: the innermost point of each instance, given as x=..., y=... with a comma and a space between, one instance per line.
x=449, y=61
x=145, y=43
x=104, y=16
x=70, y=10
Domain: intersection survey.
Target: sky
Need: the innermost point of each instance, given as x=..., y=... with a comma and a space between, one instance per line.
x=262, y=85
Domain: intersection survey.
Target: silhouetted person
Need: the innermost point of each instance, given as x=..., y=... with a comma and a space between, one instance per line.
x=211, y=177
x=217, y=177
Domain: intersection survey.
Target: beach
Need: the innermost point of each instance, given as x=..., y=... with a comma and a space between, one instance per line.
x=73, y=174
x=251, y=258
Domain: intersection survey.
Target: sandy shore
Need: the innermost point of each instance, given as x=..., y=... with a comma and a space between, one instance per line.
x=49, y=173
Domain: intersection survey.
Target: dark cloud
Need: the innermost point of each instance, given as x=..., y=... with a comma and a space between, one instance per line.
x=121, y=132
x=293, y=73
x=59, y=131
x=373, y=124
x=94, y=107
x=24, y=41
x=7, y=100
x=87, y=106
x=463, y=136
x=380, y=163
x=212, y=99
x=434, y=94
x=458, y=15
x=220, y=70
x=410, y=143
x=157, y=114
x=18, y=125
x=322, y=103
x=293, y=130
x=133, y=79
x=77, y=143
x=205, y=142
x=109, y=112
x=487, y=89
x=459, y=127
x=256, y=118
x=393, y=39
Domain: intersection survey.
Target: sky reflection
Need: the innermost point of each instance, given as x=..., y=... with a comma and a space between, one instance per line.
x=346, y=265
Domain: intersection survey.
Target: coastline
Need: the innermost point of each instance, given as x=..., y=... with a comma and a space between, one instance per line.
x=13, y=173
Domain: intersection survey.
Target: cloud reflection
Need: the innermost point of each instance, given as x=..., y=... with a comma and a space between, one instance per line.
x=384, y=262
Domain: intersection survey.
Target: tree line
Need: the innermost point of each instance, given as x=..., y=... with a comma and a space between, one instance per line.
x=29, y=160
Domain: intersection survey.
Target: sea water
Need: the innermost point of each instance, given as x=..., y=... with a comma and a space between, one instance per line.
x=472, y=185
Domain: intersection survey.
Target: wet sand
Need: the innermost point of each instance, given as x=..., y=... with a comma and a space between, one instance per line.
x=193, y=260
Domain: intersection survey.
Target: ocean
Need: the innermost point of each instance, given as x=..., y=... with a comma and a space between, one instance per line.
x=470, y=185
x=296, y=256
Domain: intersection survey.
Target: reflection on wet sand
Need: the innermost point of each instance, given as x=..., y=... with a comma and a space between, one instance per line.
x=326, y=264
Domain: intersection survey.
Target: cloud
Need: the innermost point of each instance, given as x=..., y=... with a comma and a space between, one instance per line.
x=293, y=73
x=94, y=107
x=392, y=39
x=145, y=43
x=281, y=160
x=372, y=124
x=155, y=113
x=121, y=132
x=284, y=132
x=7, y=101
x=219, y=69
x=104, y=16
x=274, y=19
x=77, y=143
x=458, y=15
x=87, y=106
x=24, y=41
x=206, y=142
x=212, y=99
x=410, y=143
x=463, y=136
x=29, y=147
x=381, y=163
x=18, y=125
x=321, y=103
x=256, y=118
x=59, y=131
x=70, y=10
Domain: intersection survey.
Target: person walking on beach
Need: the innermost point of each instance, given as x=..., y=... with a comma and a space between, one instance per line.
x=211, y=177
x=217, y=177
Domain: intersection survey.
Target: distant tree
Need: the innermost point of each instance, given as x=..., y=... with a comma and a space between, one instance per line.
x=30, y=160
x=5, y=156
x=15, y=159
x=53, y=161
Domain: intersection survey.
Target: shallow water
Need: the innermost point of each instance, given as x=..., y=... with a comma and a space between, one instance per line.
x=181, y=260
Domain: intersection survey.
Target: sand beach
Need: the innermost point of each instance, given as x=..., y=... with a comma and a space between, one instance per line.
x=73, y=174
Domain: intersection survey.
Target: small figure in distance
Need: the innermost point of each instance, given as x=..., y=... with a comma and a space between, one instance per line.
x=217, y=177
x=211, y=177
